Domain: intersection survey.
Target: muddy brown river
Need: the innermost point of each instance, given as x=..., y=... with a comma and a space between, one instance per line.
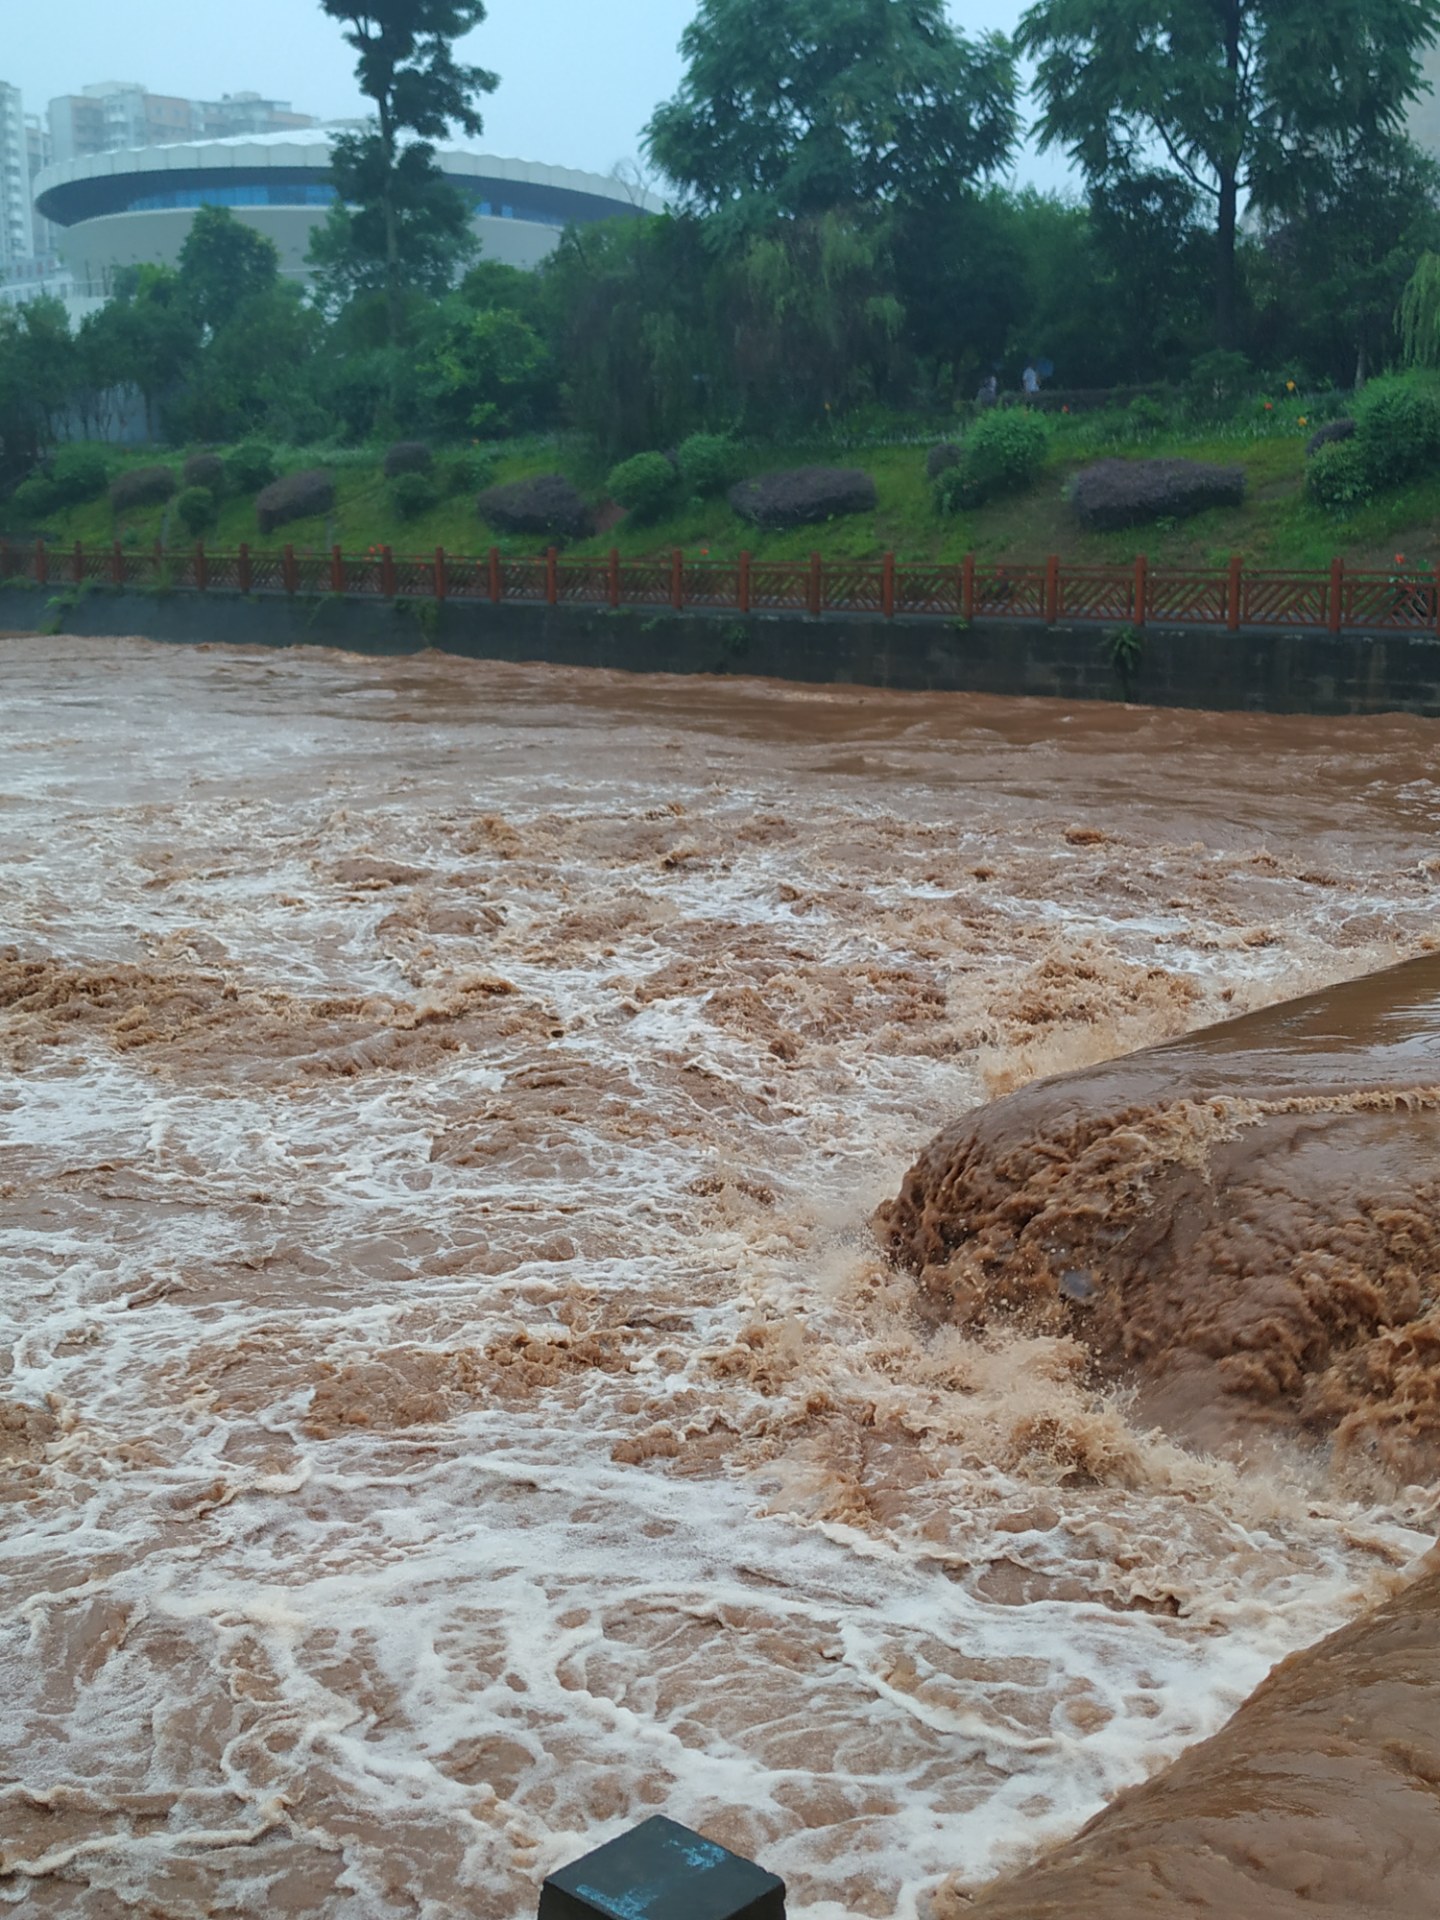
x=453, y=1399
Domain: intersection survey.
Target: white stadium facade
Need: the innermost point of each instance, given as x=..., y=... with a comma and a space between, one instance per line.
x=135, y=205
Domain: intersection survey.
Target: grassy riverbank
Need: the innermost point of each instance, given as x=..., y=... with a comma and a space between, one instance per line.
x=1277, y=526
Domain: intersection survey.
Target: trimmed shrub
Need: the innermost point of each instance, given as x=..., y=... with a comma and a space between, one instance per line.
x=644, y=485
x=204, y=470
x=465, y=472
x=803, y=496
x=195, y=509
x=1328, y=435
x=1003, y=453
x=1127, y=493
x=546, y=504
x=408, y=456
x=1341, y=476
x=299, y=496
x=709, y=463
x=142, y=487
x=412, y=494
x=249, y=468
x=77, y=474
x=940, y=459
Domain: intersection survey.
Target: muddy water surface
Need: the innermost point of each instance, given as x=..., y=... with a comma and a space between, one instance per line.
x=451, y=1402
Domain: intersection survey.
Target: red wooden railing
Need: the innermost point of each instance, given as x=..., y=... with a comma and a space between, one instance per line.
x=1134, y=594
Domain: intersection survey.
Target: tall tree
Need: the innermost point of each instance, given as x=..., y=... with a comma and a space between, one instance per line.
x=407, y=68
x=223, y=263
x=812, y=106
x=1337, y=259
x=1243, y=97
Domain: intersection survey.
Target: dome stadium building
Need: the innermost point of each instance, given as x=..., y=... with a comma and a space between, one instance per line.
x=135, y=205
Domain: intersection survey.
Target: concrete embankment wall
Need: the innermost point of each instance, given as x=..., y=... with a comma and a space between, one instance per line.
x=1266, y=671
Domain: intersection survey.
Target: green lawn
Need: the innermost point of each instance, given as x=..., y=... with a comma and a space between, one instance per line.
x=1275, y=528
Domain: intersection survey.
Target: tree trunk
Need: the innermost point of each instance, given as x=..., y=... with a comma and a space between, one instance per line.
x=392, y=229
x=1226, y=303
x=1362, y=366
x=1227, y=323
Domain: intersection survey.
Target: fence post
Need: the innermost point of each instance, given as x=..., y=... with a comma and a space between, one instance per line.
x=1232, y=595
x=77, y=564
x=441, y=583
x=202, y=570
x=812, y=588
x=1335, y=607
x=742, y=584
x=612, y=578
x=497, y=581
x=1142, y=589
x=967, y=588
x=552, y=578
x=337, y=570
x=42, y=565
x=677, y=580
x=117, y=564
x=887, y=586
x=1052, y=589
x=242, y=567
x=387, y=573
x=287, y=569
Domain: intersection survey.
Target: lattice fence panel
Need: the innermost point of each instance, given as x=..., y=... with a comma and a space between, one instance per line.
x=1188, y=598
x=712, y=583
x=1284, y=600
x=1097, y=593
x=1014, y=593
x=1399, y=603
x=852, y=587
x=779, y=584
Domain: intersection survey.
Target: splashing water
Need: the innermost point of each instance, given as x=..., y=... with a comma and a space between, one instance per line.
x=451, y=1404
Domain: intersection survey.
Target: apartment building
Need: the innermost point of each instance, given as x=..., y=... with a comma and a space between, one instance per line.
x=17, y=242
x=116, y=115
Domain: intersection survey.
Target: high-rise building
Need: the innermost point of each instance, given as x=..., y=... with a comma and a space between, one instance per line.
x=1425, y=114
x=121, y=114
x=17, y=243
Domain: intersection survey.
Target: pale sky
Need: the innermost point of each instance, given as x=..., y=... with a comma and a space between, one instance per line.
x=577, y=80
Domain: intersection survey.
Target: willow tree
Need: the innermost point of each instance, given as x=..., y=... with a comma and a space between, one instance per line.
x=398, y=222
x=1242, y=98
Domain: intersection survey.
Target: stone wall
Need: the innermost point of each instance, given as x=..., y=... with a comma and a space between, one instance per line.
x=1266, y=671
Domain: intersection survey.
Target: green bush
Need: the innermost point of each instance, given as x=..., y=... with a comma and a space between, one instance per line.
x=1003, y=453
x=709, y=463
x=468, y=472
x=1145, y=416
x=1341, y=475
x=195, y=509
x=1219, y=381
x=78, y=474
x=249, y=468
x=412, y=494
x=33, y=499
x=644, y=485
x=1397, y=425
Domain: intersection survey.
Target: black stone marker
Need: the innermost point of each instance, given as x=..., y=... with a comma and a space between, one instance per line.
x=662, y=1871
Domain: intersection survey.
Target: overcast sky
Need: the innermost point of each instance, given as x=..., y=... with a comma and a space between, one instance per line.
x=577, y=80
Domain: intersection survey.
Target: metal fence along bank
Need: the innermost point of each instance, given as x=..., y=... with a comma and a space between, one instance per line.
x=1051, y=592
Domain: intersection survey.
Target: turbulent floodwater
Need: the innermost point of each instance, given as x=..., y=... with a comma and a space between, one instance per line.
x=452, y=1403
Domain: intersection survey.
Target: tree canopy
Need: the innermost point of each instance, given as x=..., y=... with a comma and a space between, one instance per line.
x=816, y=105
x=399, y=222
x=1240, y=97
